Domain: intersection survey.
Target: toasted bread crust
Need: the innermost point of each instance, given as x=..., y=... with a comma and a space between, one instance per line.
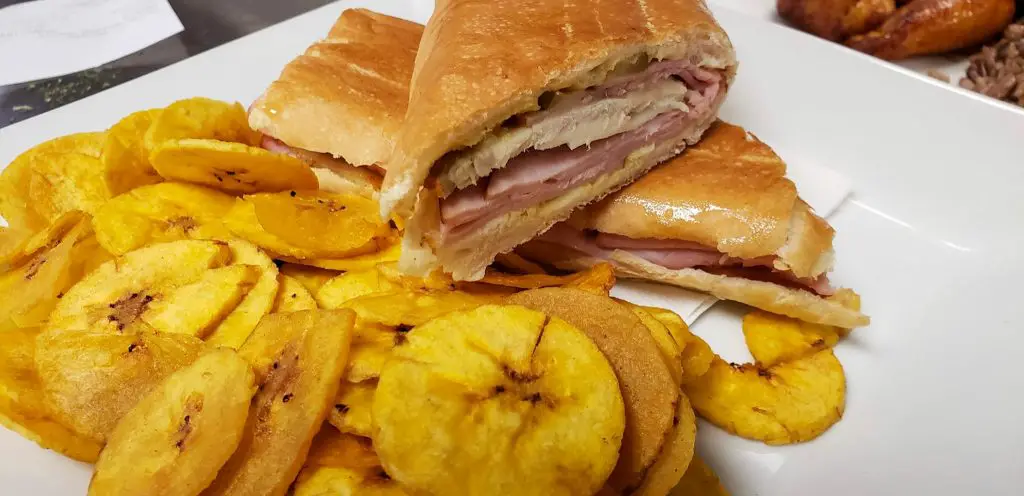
x=347, y=94
x=482, y=62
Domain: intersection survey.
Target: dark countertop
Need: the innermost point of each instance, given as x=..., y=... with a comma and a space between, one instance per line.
x=207, y=25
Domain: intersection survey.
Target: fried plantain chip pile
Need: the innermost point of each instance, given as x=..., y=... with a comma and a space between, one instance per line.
x=190, y=313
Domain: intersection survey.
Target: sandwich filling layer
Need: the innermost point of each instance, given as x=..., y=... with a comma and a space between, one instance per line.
x=680, y=254
x=578, y=136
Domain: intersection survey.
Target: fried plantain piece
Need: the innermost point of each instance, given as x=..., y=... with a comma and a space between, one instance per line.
x=160, y=213
x=92, y=377
x=299, y=359
x=124, y=156
x=649, y=392
x=352, y=412
x=472, y=402
x=116, y=295
x=344, y=464
x=292, y=296
x=176, y=438
x=236, y=327
x=23, y=408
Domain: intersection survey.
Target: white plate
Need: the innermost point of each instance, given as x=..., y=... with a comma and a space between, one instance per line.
x=932, y=240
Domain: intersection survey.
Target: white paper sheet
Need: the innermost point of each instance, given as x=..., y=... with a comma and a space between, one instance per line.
x=48, y=38
x=822, y=188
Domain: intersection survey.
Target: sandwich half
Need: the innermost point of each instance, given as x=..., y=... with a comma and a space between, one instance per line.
x=339, y=105
x=523, y=110
x=721, y=218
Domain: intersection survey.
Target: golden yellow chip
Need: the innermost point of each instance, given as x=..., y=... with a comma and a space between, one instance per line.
x=351, y=285
x=412, y=308
x=699, y=480
x=598, y=280
x=23, y=407
x=25, y=244
x=498, y=400
x=695, y=354
x=31, y=289
x=125, y=158
x=201, y=118
x=239, y=324
x=12, y=244
x=230, y=167
x=91, y=378
x=298, y=358
x=389, y=253
x=669, y=349
x=53, y=178
x=352, y=412
x=331, y=225
x=436, y=280
x=372, y=344
x=116, y=296
x=344, y=464
x=196, y=308
x=179, y=435
x=313, y=278
x=789, y=403
x=675, y=456
x=159, y=213
x=774, y=339
x=292, y=296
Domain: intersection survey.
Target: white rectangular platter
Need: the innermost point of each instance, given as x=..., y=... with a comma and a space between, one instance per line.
x=931, y=238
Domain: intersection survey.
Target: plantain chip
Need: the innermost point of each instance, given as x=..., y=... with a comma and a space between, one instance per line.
x=412, y=308
x=675, y=456
x=25, y=244
x=44, y=270
x=372, y=344
x=124, y=156
x=329, y=225
x=91, y=378
x=774, y=339
x=176, y=438
x=788, y=403
x=352, y=412
x=197, y=307
x=351, y=285
x=313, y=278
x=695, y=354
x=668, y=347
x=292, y=296
x=299, y=359
x=474, y=402
x=236, y=327
x=201, y=118
x=12, y=245
x=160, y=213
x=117, y=295
x=230, y=167
x=435, y=280
x=650, y=394
x=699, y=480
x=598, y=280
x=22, y=405
x=53, y=178
x=343, y=464
x=241, y=220
x=390, y=252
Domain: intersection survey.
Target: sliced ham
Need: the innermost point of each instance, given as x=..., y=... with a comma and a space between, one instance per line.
x=540, y=175
x=582, y=118
x=677, y=254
